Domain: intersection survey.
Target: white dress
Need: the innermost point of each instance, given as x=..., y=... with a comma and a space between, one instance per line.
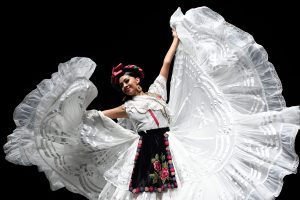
x=231, y=135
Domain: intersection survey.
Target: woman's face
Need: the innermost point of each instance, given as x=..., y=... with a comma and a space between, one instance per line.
x=129, y=85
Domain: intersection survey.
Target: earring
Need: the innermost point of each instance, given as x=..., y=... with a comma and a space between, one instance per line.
x=139, y=89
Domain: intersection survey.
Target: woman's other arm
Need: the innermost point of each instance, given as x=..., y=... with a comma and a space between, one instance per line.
x=117, y=112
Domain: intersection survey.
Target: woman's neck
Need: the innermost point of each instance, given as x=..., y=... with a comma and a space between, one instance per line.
x=140, y=93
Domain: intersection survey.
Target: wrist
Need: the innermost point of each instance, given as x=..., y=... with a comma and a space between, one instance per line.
x=175, y=40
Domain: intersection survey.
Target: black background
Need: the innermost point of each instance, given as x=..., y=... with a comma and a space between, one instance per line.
x=36, y=37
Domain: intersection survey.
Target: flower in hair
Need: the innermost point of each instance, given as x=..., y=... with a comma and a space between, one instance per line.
x=120, y=70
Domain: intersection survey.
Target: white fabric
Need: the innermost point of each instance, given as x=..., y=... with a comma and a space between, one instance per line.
x=159, y=87
x=231, y=136
x=138, y=108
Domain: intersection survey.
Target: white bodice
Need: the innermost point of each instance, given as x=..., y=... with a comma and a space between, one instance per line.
x=140, y=117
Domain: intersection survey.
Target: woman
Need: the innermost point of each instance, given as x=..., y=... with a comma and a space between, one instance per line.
x=224, y=134
x=153, y=170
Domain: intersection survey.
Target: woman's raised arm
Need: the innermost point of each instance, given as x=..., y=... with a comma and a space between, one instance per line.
x=169, y=56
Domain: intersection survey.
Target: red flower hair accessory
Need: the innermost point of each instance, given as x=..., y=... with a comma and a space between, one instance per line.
x=120, y=70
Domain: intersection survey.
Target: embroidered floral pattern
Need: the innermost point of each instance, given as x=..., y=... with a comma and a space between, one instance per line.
x=157, y=165
x=161, y=174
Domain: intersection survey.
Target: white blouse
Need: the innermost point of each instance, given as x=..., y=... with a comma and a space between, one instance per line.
x=148, y=111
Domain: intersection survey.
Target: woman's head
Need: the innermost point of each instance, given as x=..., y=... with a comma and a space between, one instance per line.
x=127, y=79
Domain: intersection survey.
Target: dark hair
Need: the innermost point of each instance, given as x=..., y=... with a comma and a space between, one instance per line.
x=134, y=75
x=130, y=70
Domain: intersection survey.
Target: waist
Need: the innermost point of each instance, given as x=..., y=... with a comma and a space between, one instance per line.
x=154, y=131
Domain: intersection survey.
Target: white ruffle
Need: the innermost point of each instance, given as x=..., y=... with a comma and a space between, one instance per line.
x=20, y=144
x=224, y=96
x=138, y=108
x=238, y=65
x=141, y=104
x=72, y=146
x=159, y=87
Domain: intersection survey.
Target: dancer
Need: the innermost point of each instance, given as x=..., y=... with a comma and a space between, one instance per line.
x=148, y=116
x=225, y=132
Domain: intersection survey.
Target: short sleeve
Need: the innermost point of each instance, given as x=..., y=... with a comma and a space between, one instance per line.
x=159, y=86
x=129, y=107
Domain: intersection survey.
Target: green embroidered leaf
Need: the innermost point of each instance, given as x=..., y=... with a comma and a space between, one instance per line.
x=153, y=160
x=163, y=157
x=165, y=165
x=152, y=176
x=157, y=157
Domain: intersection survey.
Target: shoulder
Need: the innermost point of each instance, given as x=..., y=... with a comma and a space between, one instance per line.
x=159, y=87
x=155, y=95
x=160, y=79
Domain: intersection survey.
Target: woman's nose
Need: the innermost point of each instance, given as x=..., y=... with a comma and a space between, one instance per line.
x=125, y=85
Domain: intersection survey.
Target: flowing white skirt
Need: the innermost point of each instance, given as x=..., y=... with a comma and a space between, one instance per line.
x=231, y=135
